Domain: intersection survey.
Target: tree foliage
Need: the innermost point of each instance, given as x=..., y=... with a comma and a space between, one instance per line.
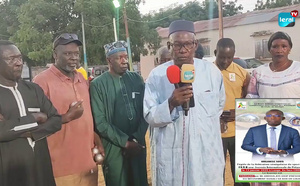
x=267, y=4
x=9, y=17
x=33, y=25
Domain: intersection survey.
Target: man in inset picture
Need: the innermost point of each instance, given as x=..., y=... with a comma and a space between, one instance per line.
x=272, y=140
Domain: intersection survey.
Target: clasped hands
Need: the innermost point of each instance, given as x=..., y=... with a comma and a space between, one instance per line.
x=268, y=150
x=132, y=149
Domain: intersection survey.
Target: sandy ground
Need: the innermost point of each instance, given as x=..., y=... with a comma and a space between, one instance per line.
x=228, y=178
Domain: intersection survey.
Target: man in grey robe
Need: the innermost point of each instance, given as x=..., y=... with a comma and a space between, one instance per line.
x=27, y=117
x=186, y=150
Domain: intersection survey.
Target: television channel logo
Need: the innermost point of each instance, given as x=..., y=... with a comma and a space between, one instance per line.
x=287, y=19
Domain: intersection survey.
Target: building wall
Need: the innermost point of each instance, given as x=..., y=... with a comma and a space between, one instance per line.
x=147, y=64
x=241, y=35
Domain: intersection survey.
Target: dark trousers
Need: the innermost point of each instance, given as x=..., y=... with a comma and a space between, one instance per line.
x=229, y=144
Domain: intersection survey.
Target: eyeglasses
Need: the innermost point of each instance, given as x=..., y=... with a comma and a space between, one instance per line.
x=13, y=59
x=177, y=46
x=116, y=44
x=67, y=36
x=275, y=115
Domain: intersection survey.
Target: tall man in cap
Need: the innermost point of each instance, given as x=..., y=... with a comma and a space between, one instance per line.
x=117, y=104
x=71, y=147
x=27, y=117
x=187, y=150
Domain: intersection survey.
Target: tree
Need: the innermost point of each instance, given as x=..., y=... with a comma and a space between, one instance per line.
x=267, y=4
x=9, y=17
x=192, y=11
x=38, y=22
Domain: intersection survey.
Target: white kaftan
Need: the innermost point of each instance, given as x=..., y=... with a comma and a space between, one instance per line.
x=186, y=150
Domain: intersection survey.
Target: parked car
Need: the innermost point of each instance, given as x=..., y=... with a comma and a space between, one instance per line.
x=247, y=63
x=96, y=71
x=252, y=62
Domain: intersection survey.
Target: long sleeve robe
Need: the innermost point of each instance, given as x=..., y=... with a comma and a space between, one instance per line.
x=117, y=106
x=25, y=161
x=186, y=150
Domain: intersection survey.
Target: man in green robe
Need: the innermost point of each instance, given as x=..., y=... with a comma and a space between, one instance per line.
x=117, y=106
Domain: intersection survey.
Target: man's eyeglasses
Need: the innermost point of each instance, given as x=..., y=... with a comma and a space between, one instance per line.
x=178, y=46
x=13, y=59
x=275, y=115
x=116, y=44
x=67, y=36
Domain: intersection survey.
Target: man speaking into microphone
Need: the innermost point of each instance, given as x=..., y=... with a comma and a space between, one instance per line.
x=185, y=149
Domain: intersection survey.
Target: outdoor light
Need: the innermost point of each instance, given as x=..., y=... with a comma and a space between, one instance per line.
x=116, y=3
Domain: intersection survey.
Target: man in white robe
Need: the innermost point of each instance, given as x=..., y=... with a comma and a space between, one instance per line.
x=185, y=150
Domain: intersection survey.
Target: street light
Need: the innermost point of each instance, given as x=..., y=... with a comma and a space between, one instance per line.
x=117, y=5
x=116, y=26
x=84, y=46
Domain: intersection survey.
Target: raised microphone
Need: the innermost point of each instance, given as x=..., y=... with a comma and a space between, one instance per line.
x=173, y=74
x=187, y=78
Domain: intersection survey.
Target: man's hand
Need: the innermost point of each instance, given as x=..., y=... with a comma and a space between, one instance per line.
x=228, y=116
x=279, y=152
x=266, y=150
x=282, y=152
x=179, y=96
x=98, y=144
x=40, y=117
x=75, y=111
x=132, y=149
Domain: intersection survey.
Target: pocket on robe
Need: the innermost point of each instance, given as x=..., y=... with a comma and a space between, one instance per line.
x=209, y=102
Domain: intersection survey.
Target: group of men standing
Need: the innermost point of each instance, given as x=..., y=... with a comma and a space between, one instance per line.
x=47, y=134
x=66, y=115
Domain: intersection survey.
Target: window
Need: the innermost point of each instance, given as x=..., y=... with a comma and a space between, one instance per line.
x=206, y=49
x=261, y=49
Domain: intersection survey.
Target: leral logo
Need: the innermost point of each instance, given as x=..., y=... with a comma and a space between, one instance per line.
x=287, y=19
x=241, y=105
x=189, y=75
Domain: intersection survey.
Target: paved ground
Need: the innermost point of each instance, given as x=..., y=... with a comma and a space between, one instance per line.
x=228, y=178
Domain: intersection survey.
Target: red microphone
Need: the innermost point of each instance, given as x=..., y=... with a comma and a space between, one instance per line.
x=173, y=74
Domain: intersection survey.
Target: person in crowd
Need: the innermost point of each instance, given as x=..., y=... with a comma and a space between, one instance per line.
x=71, y=147
x=199, y=53
x=281, y=77
x=277, y=79
x=117, y=105
x=186, y=150
x=272, y=140
x=27, y=117
x=163, y=55
x=236, y=80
